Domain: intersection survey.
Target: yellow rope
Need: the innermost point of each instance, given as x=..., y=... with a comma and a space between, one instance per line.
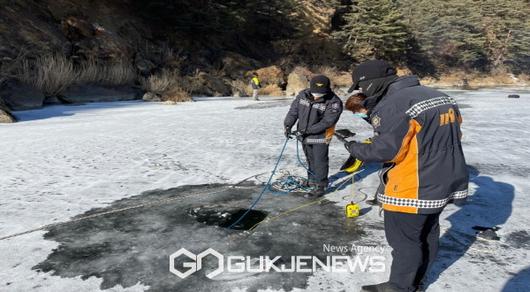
x=352, y=194
x=151, y=204
x=161, y=202
x=287, y=212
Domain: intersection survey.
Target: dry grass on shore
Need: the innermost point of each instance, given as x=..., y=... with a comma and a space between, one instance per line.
x=53, y=74
x=271, y=90
x=107, y=74
x=338, y=78
x=477, y=80
x=167, y=85
x=240, y=88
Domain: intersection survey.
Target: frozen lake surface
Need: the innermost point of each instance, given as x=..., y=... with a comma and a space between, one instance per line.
x=63, y=162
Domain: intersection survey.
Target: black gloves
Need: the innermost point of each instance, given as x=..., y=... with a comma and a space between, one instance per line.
x=288, y=133
x=300, y=135
x=349, y=145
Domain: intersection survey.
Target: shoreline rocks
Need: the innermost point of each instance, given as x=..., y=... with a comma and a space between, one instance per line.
x=297, y=80
x=20, y=96
x=5, y=114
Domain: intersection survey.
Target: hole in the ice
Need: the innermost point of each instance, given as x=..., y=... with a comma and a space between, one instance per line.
x=225, y=218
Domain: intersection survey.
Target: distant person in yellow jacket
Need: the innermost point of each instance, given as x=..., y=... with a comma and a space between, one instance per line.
x=256, y=85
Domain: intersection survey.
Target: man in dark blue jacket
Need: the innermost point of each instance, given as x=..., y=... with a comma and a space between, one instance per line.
x=317, y=110
x=418, y=137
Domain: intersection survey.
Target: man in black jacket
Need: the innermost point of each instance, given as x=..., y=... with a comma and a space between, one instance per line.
x=418, y=137
x=317, y=110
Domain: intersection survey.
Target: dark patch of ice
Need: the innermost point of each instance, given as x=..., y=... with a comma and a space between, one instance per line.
x=134, y=246
x=519, y=239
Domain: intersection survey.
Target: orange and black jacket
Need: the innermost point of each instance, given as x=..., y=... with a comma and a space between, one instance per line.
x=417, y=133
x=316, y=118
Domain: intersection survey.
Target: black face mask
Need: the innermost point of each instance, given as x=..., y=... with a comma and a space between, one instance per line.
x=375, y=89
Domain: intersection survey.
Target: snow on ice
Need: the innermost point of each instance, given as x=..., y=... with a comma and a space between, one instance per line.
x=66, y=161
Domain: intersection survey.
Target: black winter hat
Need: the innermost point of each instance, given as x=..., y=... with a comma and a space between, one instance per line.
x=369, y=70
x=320, y=84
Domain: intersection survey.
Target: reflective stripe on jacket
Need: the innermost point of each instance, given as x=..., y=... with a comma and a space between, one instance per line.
x=317, y=118
x=418, y=135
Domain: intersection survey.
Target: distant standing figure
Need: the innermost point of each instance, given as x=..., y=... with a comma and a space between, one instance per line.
x=256, y=85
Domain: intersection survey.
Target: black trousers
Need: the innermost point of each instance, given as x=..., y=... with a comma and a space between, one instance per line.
x=414, y=239
x=317, y=156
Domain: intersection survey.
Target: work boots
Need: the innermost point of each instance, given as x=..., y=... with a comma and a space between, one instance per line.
x=309, y=184
x=373, y=202
x=420, y=288
x=317, y=192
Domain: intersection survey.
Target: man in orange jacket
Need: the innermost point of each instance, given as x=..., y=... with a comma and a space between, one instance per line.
x=417, y=135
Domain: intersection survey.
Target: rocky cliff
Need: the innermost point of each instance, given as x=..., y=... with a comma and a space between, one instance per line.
x=210, y=45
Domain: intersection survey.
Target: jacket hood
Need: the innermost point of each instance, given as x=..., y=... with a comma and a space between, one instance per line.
x=403, y=82
x=388, y=86
x=376, y=90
